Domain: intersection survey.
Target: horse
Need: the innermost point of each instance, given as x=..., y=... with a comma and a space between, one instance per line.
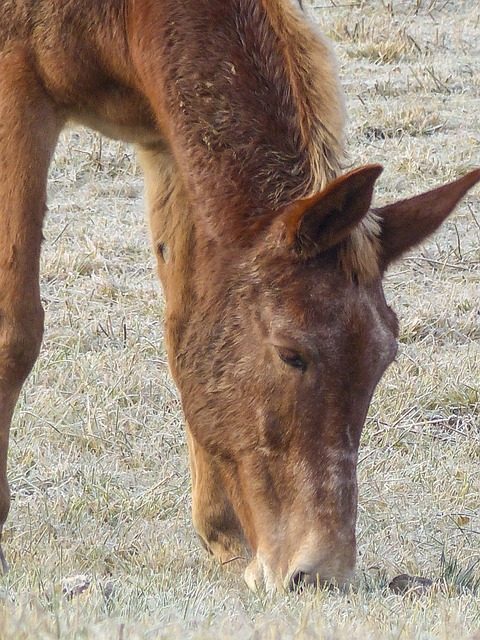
x=271, y=258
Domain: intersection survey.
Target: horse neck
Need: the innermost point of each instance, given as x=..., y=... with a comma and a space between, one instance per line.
x=250, y=99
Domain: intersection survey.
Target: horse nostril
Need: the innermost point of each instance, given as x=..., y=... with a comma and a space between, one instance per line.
x=298, y=581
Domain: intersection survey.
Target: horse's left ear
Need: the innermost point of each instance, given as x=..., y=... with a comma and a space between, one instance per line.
x=408, y=222
x=315, y=224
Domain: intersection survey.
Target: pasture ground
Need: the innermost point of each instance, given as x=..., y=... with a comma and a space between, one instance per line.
x=99, y=537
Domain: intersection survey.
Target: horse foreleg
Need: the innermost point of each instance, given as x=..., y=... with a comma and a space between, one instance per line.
x=173, y=236
x=213, y=515
x=173, y=233
x=29, y=128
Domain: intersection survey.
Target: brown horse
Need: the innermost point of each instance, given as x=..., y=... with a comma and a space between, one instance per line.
x=277, y=327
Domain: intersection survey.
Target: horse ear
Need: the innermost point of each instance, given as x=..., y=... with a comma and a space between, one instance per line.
x=315, y=224
x=408, y=222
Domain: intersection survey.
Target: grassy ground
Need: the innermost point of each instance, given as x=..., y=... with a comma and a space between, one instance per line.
x=99, y=536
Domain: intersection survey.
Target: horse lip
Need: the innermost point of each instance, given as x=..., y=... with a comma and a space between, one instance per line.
x=260, y=576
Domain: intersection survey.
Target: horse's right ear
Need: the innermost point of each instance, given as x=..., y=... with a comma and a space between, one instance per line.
x=406, y=223
x=313, y=225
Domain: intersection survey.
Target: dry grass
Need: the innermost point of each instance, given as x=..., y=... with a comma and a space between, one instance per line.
x=98, y=462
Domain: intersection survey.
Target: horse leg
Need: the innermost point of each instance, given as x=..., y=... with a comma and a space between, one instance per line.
x=29, y=129
x=213, y=515
x=173, y=234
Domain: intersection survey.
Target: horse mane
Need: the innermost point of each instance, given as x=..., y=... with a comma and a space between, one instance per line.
x=257, y=103
x=259, y=113
x=319, y=102
x=311, y=72
x=359, y=253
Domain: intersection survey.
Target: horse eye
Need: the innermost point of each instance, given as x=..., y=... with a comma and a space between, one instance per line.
x=292, y=358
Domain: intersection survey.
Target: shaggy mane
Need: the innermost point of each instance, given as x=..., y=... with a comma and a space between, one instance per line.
x=259, y=114
x=359, y=253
